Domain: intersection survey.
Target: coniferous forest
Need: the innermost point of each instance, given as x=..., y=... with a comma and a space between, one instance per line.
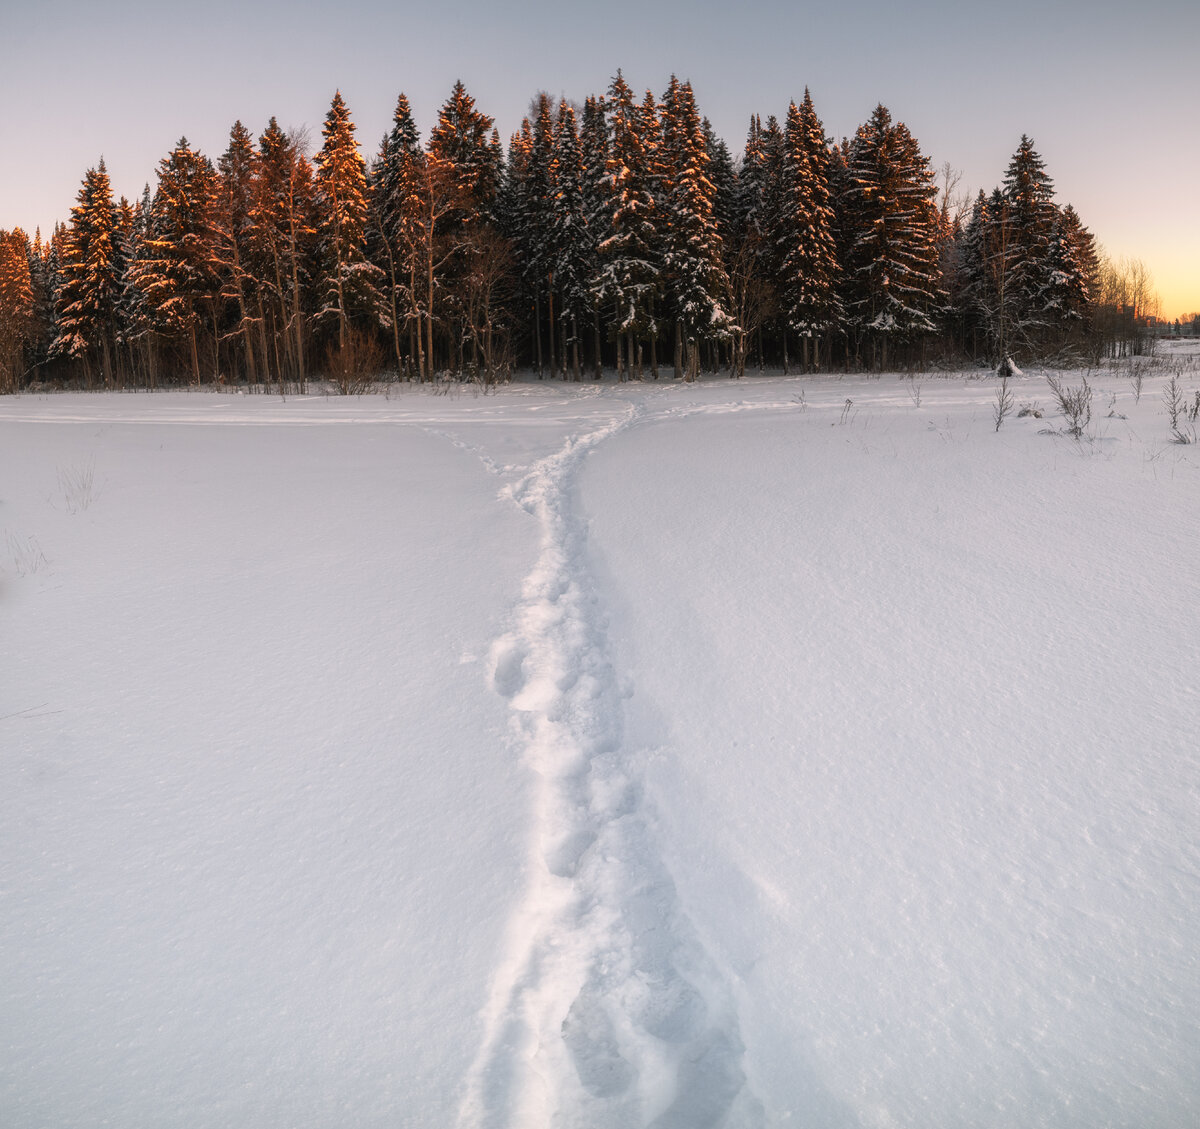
x=621, y=235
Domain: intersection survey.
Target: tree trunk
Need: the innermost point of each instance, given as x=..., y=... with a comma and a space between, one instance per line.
x=537, y=332
x=599, y=349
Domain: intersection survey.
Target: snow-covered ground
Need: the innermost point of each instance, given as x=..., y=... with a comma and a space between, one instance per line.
x=762, y=753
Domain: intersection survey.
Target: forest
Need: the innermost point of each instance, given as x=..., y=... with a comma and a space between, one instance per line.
x=621, y=235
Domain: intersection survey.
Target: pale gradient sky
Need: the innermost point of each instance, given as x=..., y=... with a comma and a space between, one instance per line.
x=1108, y=91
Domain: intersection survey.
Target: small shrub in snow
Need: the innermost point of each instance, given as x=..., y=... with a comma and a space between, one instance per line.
x=76, y=484
x=1181, y=414
x=914, y=393
x=1004, y=401
x=354, y=366
x=1075, y=403
x=26, y=554
x=1137, y=374
x=847, y=411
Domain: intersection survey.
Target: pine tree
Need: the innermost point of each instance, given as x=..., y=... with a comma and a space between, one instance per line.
x=537, y=252
x=16, y=307
x=1072, y=269
x=463, y=137
x=396, y=208
x=724, y=181
x=235, y=204
x=178, y=271
x=806, y=244
x=751, y=284
x=597, y=208
x=1031, y=215
x=569, y=236
x=349, y=289
x=463, y=172
x=892, y=266
x=693, y=271
x=283, y=241
x=136, y=316
x=91, y=279
x=45, y=279
x=627, y=277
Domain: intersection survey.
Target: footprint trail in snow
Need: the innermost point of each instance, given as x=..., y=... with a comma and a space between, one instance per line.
x=607, y=1012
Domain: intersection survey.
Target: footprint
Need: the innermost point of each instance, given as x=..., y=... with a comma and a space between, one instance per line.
x=709, y=1080
x=669, y=1008
x=508, y=666
x=588, y=1034
x=562, y=856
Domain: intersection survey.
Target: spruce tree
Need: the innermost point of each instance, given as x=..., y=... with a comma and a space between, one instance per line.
x=90, y=295
x=178, y=271
x=395, y=209
x=1072, y=269
x=537, y=251
x=693, y=271
x=597, y=208
x=807, y=247
x=749, y=254
x=45, y=280
x=349, y=290
x=137, y=317
x=16, y=307
x=463, y=136
x=569, y=236
x=894, y=284
x=463, y=170
x=235, y=203
x=627, y=277
x=1030, y=216
x=283, y=253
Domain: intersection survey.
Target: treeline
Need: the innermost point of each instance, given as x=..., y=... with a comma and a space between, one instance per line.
x=618, y=235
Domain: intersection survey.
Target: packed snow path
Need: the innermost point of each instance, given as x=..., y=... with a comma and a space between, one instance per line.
x=608, y=1011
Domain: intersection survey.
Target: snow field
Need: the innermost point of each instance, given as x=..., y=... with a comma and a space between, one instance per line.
x=618, y=756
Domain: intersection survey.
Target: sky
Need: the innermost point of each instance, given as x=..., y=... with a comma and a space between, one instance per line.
x=1107, y=91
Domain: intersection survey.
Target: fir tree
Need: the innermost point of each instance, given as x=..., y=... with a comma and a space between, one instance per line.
x=693, y=271
x=806, y=244
x=1030, y=217
x=90, y=295
x=45, y=279
x=350, y=283
x=396, y=208
x=178, y=268
x=892, y=266
x=235, y=204
x=752, y=286
x=724, y=181
x=137, y=317
x=597, y=207
x=463, y=137
x=534, y=243
x=463, y=173
x=569, y=235
x=627, y=277
x=283, y=242
x=16, y=307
